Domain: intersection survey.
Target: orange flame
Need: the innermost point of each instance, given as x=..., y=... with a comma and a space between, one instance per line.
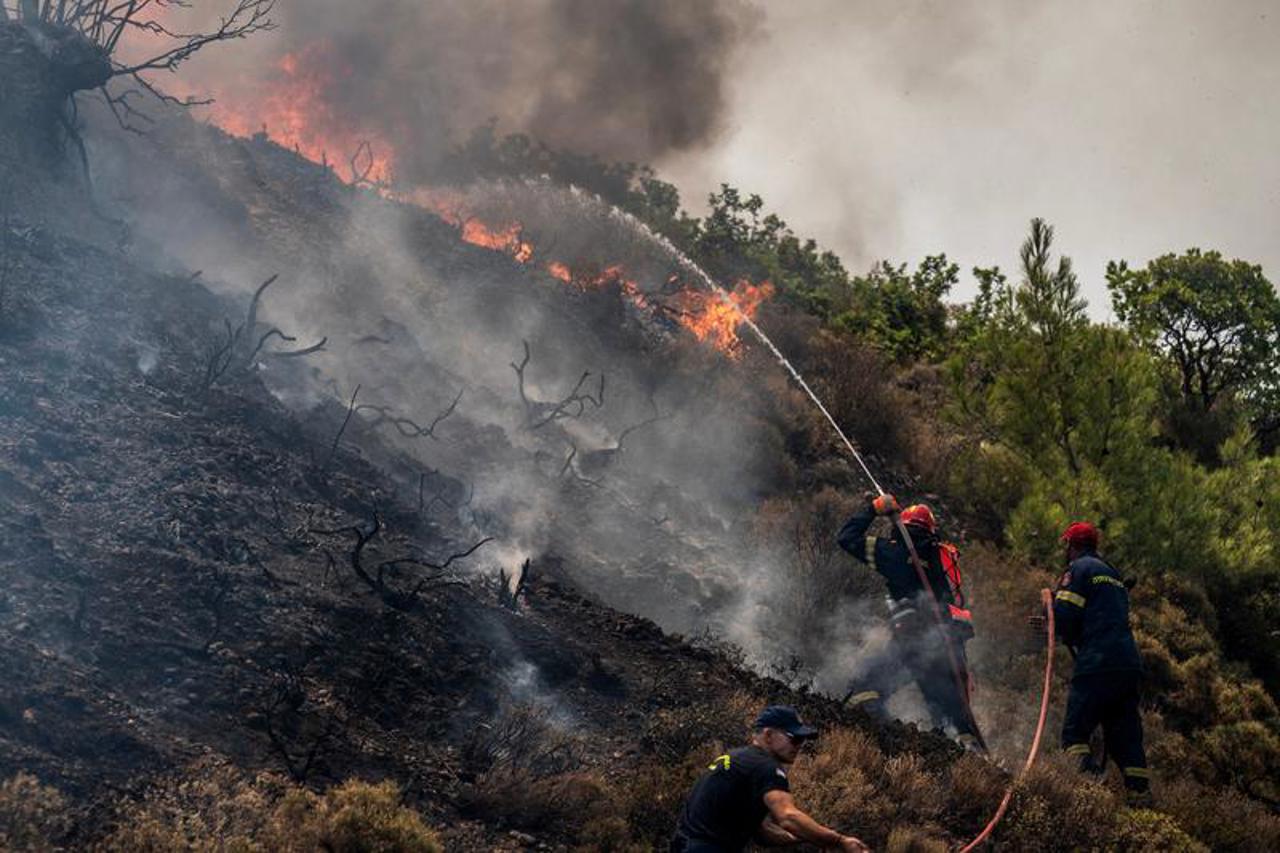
x=713, y=321
x=294, y=108
x=560, y=271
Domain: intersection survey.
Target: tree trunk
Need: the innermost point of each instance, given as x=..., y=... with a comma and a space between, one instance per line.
x=30, y=10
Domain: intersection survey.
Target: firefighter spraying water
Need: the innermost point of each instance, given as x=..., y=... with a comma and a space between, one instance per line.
x=933, y=590
x=917, y=649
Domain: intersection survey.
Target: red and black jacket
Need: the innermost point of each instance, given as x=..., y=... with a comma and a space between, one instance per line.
x=889, y=557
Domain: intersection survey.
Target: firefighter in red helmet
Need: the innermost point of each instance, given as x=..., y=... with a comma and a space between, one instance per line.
x=918, y=648
x=1091, y=616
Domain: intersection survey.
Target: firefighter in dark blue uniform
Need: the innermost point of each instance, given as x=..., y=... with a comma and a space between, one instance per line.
x=1091, y=612
x=917, y=650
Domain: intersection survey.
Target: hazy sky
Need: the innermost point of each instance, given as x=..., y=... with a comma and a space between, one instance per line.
x=898, y=129
x=884, y=128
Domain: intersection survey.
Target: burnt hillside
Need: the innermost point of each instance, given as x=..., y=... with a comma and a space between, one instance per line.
x=183, y=587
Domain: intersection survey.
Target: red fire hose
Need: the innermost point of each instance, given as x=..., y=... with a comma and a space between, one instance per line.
x=1046, y=598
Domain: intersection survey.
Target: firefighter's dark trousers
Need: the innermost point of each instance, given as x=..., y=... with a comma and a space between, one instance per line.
x=915, y=653
x=1110, y=700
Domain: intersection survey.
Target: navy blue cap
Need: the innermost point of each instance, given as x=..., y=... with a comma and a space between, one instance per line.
x=784, y=718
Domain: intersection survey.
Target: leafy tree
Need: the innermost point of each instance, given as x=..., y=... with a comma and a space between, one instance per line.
x=1032, y=374
x=1216, y=321
x=900, y=312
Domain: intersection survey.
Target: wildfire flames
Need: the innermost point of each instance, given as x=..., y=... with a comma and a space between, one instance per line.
x=713, y=321
x=707, y=316
x=293, y=109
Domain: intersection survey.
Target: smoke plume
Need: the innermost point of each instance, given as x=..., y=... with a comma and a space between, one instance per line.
x=623, y=79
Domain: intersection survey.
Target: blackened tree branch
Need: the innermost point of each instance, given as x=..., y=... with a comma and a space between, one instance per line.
x=539, y=413
x=351, y=408
x=405, y=426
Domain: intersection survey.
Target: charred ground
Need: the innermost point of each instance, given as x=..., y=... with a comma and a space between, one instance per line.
x=181, y=586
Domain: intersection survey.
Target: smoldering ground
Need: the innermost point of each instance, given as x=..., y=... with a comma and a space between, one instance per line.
x=640, y=494
x=653, y=524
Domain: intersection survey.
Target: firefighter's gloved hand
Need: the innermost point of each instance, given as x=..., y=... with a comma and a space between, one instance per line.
x=1038, y=625
x=885, y=504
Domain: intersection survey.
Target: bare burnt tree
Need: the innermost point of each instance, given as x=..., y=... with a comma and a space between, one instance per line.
x=133, y=40
x=379, y=575
x=539, y=413
x=405, y=426
x=236, y=350
x=300, y=738
x=362, y=165
x=594, y=461
x=337, y=439
x=425, y=504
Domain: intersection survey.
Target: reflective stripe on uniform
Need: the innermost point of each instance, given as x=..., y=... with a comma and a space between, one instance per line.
x=1107, y=579
x=1137, y=772
x=871, y=550
x=864, y=696
x=1077, y=749
x=1070, y=597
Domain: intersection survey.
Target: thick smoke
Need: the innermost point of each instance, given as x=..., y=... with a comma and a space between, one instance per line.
x=622, y=79
x=1136, y=128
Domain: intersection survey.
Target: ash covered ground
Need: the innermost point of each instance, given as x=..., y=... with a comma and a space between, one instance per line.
x=220, y=555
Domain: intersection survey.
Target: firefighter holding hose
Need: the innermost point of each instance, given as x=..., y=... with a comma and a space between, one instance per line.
x=1091, y=616
x=919, y=648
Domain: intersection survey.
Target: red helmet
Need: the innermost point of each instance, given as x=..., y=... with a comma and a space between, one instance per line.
x=1081, y=534
x=919, y=515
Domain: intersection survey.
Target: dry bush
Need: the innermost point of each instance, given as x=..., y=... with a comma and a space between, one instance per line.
x=562, y=803
x=848, y=784
x=931, y=444
x=1245, y=755
x=644, y=806
x=1003, y=591
x=1008, y=661
x=916, y=793
x=206, y=806
x=221, y=810
x=1139, y=830
x=816, y=574
x=1055, y=808
x=32, y=816
x=1225, y=820
x=524, y=737
x=974, y=789
x=531, y=774
x=672, y=734
x=856, y=383
x=911, y=839
x=352, y=818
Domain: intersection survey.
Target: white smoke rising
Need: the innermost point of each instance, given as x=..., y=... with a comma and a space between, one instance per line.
x=900, y=129
x=656, y=525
